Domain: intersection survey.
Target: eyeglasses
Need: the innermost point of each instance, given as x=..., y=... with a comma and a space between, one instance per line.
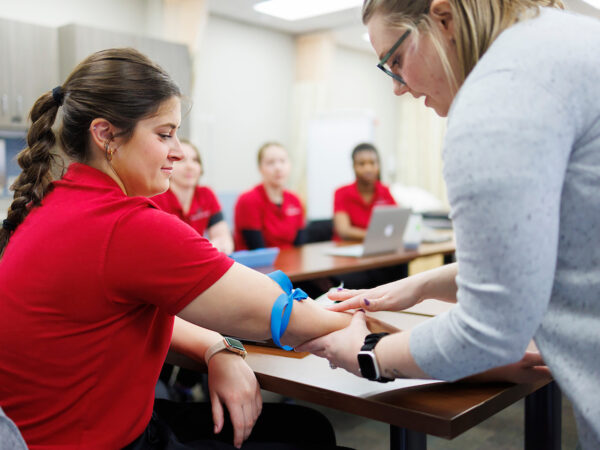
x=383, y=63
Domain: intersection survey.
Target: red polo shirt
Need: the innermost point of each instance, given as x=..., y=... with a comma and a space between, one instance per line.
x=279, y=224
x=89, y=284
x=347, y=199
x=205, y=209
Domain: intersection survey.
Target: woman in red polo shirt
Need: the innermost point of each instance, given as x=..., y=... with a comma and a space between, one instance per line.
x=195, y=205
x=269, y=215
x=354, y=203
x=92, y=275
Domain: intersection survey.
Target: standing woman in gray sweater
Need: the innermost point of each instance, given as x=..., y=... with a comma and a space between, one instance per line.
x=518, y=80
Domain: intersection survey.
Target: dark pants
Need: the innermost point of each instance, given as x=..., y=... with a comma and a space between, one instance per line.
x=179, y=426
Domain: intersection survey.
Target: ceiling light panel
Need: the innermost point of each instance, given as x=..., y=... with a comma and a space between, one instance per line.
x=293, y=10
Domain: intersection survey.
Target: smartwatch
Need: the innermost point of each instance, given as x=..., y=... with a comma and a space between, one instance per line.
x=367, y=361
x=228, y=343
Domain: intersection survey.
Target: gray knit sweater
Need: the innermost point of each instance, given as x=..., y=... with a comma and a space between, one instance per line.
x=522, y=167
x=10, y=438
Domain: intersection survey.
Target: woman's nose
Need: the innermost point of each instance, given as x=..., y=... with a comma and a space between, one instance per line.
x=176, y=153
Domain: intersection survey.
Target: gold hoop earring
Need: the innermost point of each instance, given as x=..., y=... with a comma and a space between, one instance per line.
x=109, y=151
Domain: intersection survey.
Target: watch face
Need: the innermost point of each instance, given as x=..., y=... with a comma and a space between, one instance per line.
x=235, y=345
x=367, y=366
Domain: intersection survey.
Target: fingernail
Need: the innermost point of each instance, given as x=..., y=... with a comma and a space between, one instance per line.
x=367, y=302
x=340, y=289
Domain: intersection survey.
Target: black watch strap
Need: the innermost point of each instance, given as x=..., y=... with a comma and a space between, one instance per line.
x=366, y=364
x=371, y=340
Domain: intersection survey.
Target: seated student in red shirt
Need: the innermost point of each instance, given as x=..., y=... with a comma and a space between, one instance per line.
x=268, y=215
x=354, y=203
x=195, y=205
x=92, y=275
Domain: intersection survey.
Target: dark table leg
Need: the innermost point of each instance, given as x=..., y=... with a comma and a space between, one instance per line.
x=449, y=258
x=543, y=418
x=403, y=439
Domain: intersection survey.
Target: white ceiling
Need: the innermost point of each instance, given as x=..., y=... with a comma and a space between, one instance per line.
x=345, y=25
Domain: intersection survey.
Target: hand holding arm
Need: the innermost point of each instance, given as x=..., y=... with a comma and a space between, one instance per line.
x=395, y=361
x=341, y=349
x=438, y=283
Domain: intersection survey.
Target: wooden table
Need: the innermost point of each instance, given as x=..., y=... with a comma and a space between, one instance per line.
x=438, y=408
x=311, y=261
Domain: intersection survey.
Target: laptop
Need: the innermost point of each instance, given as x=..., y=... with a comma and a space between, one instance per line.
x=384, y=234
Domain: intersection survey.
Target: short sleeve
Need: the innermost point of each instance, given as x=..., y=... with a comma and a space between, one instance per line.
x=153, y=257
x=248, y=214
x=212, y=202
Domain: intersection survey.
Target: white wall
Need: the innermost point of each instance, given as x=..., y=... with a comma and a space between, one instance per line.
x=243, y=80
x=358, y=84
x=244, y=77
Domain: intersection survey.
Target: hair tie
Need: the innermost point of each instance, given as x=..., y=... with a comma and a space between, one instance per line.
x=58, y=95
x=8, y=225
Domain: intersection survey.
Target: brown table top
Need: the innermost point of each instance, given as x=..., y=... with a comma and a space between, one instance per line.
x=443, y=409
x=311, y=261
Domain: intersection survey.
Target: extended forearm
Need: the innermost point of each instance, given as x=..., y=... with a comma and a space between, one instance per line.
x=438, y=283
x=240, y=305
x=309, y=320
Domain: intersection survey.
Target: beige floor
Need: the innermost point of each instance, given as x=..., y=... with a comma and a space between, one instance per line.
x=503, y=431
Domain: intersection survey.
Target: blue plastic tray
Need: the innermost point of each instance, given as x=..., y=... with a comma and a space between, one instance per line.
x=261, y=257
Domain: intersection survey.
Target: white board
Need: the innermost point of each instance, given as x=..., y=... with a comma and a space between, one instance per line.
x=330, y=141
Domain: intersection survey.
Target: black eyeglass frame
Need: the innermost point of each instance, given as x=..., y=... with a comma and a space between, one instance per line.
x=387, y=56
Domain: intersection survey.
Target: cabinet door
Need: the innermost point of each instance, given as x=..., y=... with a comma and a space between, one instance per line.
x=175, y=59
x=30, y=58
x=5, y=73
x=76, y=42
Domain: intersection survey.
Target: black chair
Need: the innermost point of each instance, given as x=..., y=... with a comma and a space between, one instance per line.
x=319, y=230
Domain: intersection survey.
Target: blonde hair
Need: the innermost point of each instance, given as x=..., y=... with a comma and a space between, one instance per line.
x=477, y=24
x=266, y=145
x=188, y=142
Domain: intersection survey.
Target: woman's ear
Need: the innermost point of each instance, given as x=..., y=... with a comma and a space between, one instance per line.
x=441, y=13
x=101, y=132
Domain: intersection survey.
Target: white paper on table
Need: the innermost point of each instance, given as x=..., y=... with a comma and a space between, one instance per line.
x=315, y=371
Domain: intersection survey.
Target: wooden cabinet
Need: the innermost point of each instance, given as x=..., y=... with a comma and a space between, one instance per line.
x=28, y=68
